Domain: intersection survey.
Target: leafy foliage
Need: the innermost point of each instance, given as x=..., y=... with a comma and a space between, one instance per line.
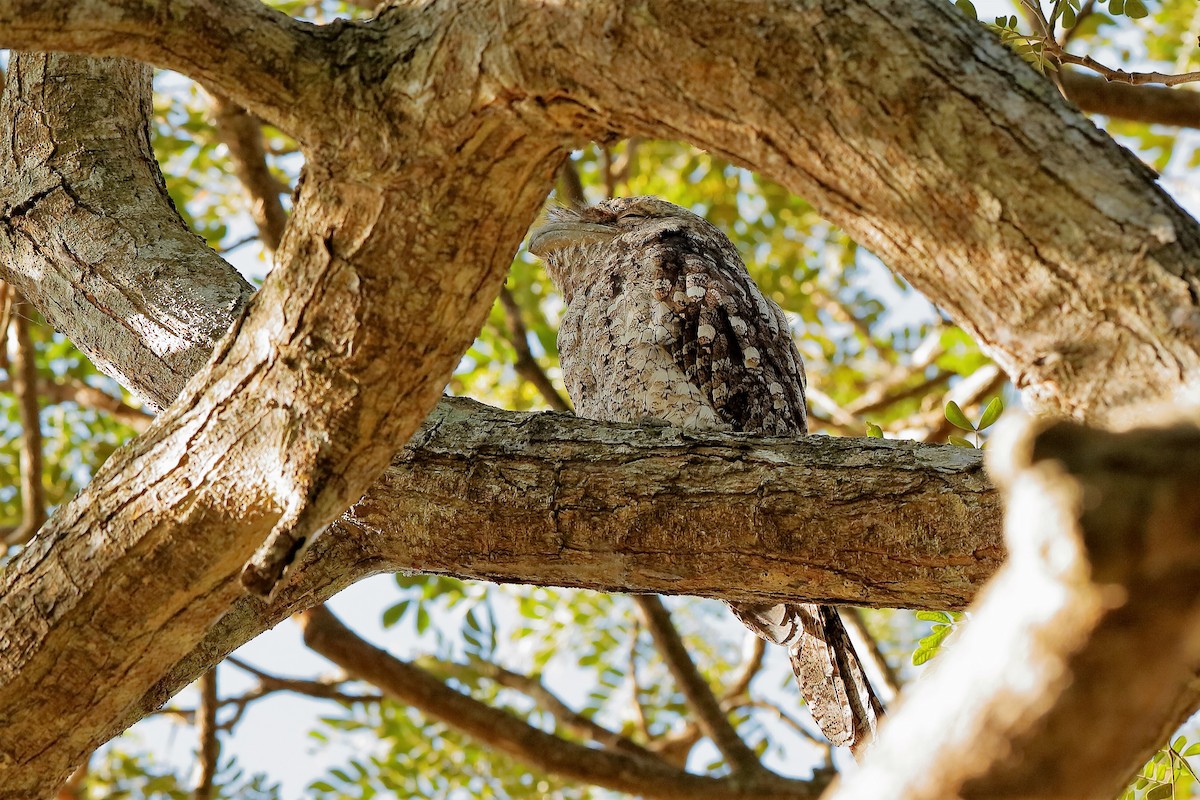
x=1167, y=775
x=956, y=417
x=944, y=624
x=121, y=774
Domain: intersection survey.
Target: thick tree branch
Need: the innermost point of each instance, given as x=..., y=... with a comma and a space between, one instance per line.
x=298, y=413
x=148, y=304
x=259, y=57
x=1151, y=104
x=699, y=695
x=1097, y=602
x=980, y=185
x=575, y=502
x=648, y=777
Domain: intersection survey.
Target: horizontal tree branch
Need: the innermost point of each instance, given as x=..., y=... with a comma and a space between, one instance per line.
x=553, y=499
x=621, y=771
x=1153, y=104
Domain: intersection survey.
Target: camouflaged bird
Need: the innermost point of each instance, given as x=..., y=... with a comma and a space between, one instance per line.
x=663, y=322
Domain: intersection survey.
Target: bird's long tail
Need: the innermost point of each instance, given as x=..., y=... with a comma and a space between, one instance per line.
x=828, y=670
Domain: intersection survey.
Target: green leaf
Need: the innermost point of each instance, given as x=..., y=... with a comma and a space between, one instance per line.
x=472, y=622
x=957, y=418
x=874, y=431
x=1135, y=9
x=959, y=441
x=922, y=655
x=1163, y=791
x=394, y=614
x=1116, y=6
x=968, y=8
x=935, y=616
x=1192, y=750
x=991, y=413
x=1179, y=744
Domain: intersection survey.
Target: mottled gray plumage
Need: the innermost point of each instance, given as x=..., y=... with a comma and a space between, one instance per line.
x=664, y=323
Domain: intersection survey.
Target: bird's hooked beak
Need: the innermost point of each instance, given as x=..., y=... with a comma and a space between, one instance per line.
x=559, y=234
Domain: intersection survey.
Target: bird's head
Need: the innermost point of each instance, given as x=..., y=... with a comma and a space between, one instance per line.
x=574, y=239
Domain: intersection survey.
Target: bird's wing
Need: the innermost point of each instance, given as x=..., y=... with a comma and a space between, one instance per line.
x=729, y=340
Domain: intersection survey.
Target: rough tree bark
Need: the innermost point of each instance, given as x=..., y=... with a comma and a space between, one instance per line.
x=1098, y=601
x=431, y=136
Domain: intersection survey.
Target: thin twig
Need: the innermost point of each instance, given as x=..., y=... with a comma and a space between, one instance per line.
x=880, y=393
x=535, y=690
x=321, y=688
x=526, y=365
x=241, y=132
x=865, y=643
x=73, y=390
x=795, y=724
x=752, y=662
x=24, y=379
x=1051, y=46
x=639, y=711
x=209, y=752
x=1084, y=12
x=7, y=293
x=696, y=691
x=916, y=390
x=677, y=746
x=1120, y=75
x=836, y=415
